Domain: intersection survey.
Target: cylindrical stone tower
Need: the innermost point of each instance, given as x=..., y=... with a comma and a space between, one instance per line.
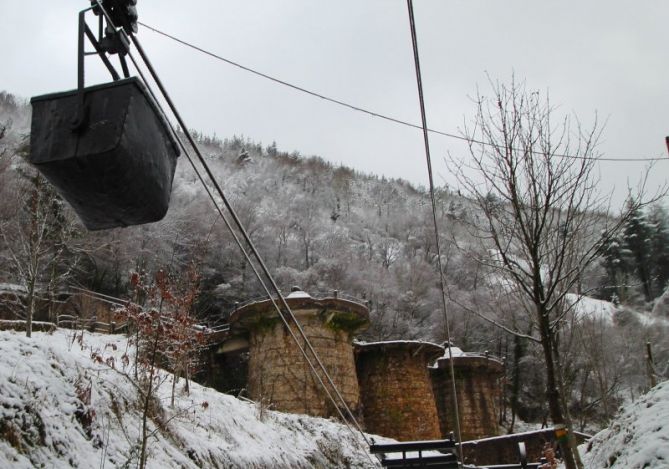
x=278, y=374
x=397, y=397
x=477, y=383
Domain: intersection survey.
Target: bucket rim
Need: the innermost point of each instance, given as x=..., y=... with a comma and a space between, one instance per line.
x=113, y=84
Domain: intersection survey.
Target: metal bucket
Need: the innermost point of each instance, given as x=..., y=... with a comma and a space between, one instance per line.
x=117, y=168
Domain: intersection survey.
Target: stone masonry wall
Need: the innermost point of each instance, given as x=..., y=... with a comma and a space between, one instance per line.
x=478, y=396
x=397, y=398
x=278, y=374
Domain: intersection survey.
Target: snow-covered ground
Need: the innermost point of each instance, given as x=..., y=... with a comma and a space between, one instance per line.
x=591, y=308
x=637, y=438
x=45, y=421
x=605, y=311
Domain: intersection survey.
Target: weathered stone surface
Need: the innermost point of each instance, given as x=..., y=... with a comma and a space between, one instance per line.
x=397, y=396
x=279, y=375
x=393, y=389
x=477, y=384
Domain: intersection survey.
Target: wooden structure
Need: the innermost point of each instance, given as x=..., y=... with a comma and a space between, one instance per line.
x=435, y=454
x=439, y=454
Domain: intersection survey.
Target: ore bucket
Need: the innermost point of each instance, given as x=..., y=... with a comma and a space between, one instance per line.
x=116, y=167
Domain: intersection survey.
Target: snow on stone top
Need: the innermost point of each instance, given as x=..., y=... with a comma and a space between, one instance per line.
x=637, y=438
x=456, y=351
x=298, y=294
x=362, y=343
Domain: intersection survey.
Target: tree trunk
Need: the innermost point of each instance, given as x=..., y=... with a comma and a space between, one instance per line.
x=552, y=391
x=571, y=440
x=29, y=319
x=147, y=403
x=30, y=310
x=174, y=387
x=515, y=379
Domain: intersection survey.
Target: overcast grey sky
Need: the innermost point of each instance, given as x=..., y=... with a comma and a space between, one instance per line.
x=599, y=56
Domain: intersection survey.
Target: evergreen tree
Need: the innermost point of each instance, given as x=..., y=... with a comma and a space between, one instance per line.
x=637, y=234
x=616, y=268
x=659, y=247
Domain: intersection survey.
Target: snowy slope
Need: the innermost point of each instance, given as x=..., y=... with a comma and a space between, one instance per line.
x=605, y=311
x=591, y=308
x=44, y=423
x=637, y=438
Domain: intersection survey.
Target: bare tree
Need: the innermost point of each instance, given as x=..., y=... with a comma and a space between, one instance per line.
x=164, y=333
x=540, y=218
x=37, y=232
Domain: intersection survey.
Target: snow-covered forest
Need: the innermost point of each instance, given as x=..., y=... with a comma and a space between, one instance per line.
x=325, y=227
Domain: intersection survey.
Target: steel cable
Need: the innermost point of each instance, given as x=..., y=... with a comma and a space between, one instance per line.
x=255, y=271
x=373, y=113
x=442, y=281
x=247, y=239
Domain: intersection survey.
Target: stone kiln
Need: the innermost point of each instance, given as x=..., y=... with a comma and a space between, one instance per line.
x=277, y=372
x=397, y=397
x=477, y=382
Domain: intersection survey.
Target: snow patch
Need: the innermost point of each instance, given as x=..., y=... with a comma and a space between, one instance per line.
x=299, y=294
x=637, y=438
x=586, y=307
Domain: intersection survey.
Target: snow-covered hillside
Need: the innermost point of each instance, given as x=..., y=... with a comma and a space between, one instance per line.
x=45, y=420
x=592, y=308
x=637, y=438
x=605, y=311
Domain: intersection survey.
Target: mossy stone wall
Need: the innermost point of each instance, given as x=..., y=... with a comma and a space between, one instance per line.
x=279, y=376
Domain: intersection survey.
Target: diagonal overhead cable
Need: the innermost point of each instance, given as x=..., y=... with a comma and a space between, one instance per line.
x=369, y=112
x=442, y=280
x=315, y=361
x=286, y=314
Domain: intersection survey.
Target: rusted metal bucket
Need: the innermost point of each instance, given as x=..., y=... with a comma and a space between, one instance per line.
x=116, y=164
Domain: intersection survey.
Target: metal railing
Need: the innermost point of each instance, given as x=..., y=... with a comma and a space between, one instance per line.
x=91, y=324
